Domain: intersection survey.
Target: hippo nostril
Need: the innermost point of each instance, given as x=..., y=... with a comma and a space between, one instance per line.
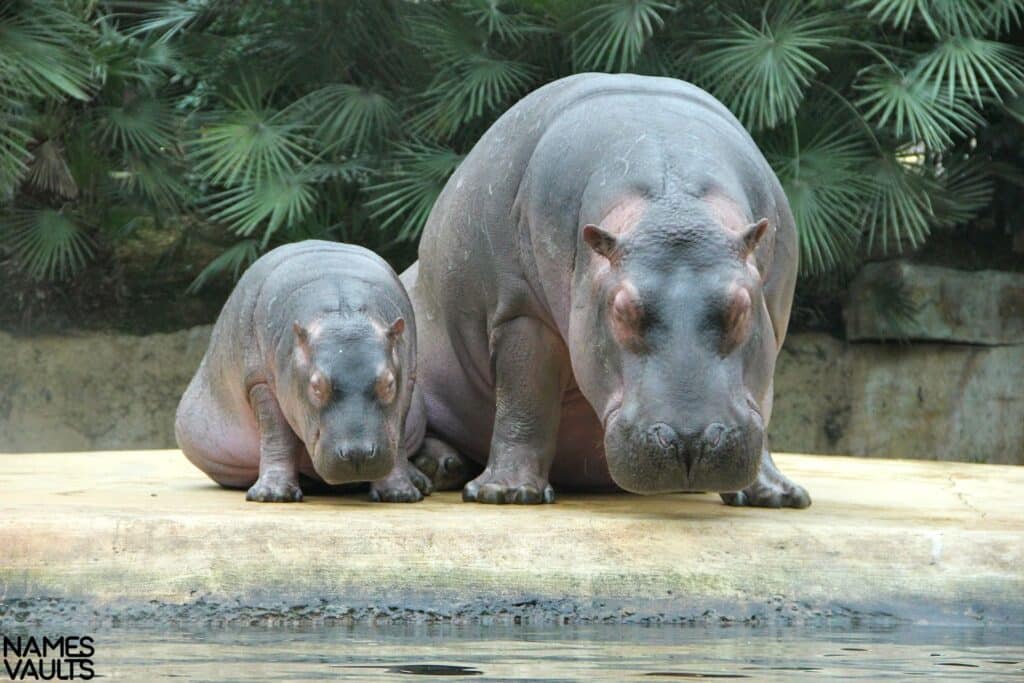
x=713, y=434
x=664, y=435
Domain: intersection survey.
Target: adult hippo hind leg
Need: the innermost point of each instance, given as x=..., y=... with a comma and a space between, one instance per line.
x=771, y=489
x=530, y=363
x=447, y=469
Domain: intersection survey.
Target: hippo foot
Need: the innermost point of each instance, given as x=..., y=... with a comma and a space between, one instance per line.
x=447, y=469
x=771, y=489
x=274, y=488
x=405, y=484
x=508, y=487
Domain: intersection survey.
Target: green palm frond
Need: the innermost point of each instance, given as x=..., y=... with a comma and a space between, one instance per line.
x=235, y=259
x=154, y=180
x=1005, y=15
x=346, y=116
x=408, y=193
x=245, y=145
x=942, y=17
x=164, y=21
x=501, y=18
x=143, y=126
x=761, y=73
x=14, y=154
x=42, y=51
x=614, y=32
x=46, y=242
x=462, y=93
x=825, y=183
x=268, y=204
x=899, y=207
x=48, y=171
x=966, y=189
x=973, y=67
x=913, y=108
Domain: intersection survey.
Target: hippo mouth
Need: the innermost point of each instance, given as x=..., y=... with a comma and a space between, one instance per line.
x=655, y=459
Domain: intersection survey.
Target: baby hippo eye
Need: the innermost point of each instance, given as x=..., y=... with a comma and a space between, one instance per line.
x=386, y=387
x=319, y=388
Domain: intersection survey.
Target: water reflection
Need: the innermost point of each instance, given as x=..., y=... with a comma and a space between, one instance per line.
x=596, y=653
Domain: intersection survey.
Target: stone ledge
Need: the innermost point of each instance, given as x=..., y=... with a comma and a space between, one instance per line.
x=141, y=536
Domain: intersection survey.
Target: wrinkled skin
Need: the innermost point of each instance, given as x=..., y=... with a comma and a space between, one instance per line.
x=310, y=371
x=602, y=290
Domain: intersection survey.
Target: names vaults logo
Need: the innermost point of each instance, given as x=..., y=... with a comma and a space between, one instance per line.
x=63, y=658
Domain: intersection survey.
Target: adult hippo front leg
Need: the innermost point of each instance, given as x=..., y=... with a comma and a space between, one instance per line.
x=771, y=489
x=530, y=363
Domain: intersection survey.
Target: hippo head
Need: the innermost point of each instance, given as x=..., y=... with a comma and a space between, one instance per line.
x=347, y=386
x=668, y=308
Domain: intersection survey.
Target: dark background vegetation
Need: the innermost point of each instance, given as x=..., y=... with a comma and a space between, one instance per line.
x=149, y=151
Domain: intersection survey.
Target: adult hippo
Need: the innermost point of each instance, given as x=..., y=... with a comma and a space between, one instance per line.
x=602, y=289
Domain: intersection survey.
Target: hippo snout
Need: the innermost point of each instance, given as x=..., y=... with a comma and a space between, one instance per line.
x=353, y=462
x=713, y=441
x=661, y=458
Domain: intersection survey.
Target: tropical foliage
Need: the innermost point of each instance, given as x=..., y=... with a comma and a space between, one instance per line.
x=253, y=124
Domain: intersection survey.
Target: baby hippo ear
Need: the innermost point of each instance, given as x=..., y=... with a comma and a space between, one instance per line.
x=395, y=330
x=601, y=241
x=752, y=235
x=301, y=338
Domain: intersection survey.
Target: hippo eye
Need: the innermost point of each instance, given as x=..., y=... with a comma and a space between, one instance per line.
x=735, y=319
x=627, y=316
x=386, y=387
x=319, y=388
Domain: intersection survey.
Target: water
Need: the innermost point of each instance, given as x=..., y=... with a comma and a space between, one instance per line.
x=503, y=653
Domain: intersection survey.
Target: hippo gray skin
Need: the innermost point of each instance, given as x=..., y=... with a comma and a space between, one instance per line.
x=601, y=292
x=310, y=370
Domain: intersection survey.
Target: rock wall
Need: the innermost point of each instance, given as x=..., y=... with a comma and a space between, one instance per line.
x=933, y=401
x=94, y=391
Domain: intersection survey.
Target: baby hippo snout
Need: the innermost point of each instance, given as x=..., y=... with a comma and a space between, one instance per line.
x=354, y=462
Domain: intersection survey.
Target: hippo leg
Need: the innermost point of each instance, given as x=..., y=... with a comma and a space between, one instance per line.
x=279, y=452
x=771, y=489
x=404, y=484
x=530, y=363
x=447, y=469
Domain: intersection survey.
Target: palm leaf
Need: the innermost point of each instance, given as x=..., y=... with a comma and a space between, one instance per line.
x=501, y=18
x=42, y=50
x=914, y=109
x=346, y=116
x=761, y=73
x=614, y=32
x=235, y=258
x=825, y=183
x=270, y=204
x=141, y=126
x=973, y=67
x=14, y=154
x=408, y=193
x=942, y=17
x=48, y=171
x=899, y=208
x=966, y=189
x=46, y=242
x=1005, y=15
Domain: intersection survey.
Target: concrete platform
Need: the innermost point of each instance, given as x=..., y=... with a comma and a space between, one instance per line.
x=126, y=537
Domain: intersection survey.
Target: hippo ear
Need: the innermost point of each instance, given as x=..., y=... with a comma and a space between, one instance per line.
x=301, y=337
x=599, y=240
x=752, y=235
x=396, y=329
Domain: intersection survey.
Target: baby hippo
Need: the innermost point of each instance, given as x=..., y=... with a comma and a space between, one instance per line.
x=310, y=371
